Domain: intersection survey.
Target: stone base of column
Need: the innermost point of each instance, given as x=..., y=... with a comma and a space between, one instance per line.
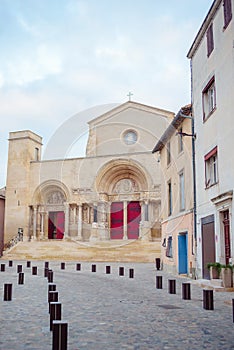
x=94, y=233
x=145, y=232
x=103, y=232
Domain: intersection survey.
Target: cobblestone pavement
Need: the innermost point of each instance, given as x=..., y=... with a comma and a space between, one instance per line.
x=110, y=311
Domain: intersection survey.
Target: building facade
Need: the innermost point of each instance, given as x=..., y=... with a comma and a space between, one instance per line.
x=2, y=214
x=112, y=193
x=212, y=69
x=175, y=151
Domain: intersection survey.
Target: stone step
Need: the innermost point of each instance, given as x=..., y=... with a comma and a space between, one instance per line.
x=121, y=251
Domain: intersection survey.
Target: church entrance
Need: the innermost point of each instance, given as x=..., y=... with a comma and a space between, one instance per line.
x=56, y=225
x=132, y=215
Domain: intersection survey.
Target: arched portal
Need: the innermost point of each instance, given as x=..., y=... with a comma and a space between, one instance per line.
x=48, y=214
x=123, y=186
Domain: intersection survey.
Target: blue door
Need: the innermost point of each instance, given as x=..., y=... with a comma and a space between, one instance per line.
x=183, y=253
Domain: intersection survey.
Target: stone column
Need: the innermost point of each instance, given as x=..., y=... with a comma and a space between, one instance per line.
x=34, y=222
x=145, y=226
x=66, y=220
x=79, y=232
x=125, y=220
x=42, y=233
x=94, y=229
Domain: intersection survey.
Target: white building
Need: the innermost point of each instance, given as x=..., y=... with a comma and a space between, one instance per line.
x=212, y=69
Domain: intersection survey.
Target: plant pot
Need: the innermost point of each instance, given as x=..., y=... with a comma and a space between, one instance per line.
x=226, y=275
x=214, y=273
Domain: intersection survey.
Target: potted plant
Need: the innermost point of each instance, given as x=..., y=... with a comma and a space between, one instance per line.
x=226, y=275
x=215, y=270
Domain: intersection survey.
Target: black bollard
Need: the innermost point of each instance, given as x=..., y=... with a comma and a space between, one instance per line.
x=131, y=273
x=93, y=268
x=108, y=270
x=28, y=264
x=208, y=299
x=46, y=264
x=46, y=272
x=172, y=286
x=158, y=282
x=63, y=266
x=51, y=288
x=55, y=312
x=59, y=335
x=50, y=276
x=78, y=267
x=121, y=271
x=186, y=292
x=19, y=268
x=7, y=296
x=157, y=262
x=10, y=263
x=52, y=297
x=34, y=270
x=233, y=310
x=2, y=267
x=21, y=278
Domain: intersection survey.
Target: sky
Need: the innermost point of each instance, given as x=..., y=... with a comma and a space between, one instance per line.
x=59, y=58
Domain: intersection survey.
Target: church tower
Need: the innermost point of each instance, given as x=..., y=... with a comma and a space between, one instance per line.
x=24, y=148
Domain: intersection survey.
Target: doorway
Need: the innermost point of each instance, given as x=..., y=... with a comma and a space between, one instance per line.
x=208, y=244
x=183, y=253
x=56, y=225
x=133, y=213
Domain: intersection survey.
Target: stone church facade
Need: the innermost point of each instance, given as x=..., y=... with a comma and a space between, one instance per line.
x=113, y=193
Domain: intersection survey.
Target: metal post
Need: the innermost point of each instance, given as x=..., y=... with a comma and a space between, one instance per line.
x=186, y=292
x=51, y=288
x=53, y=297
x=34, y=270
x=131, y=273
x=172, y=286
x=55, y=312
x=59, y=335
x=78, y=267
x=108, y=270
x=63, y=266
x=21, y=278
x=19, y=268
x=121, y=271
x=2, y=267
x=50, y=276
x=158, y=263
x=7, y=292
x=28, y=264
x=46, y=264
x=208, y=299
x=233, y=310
x=10, y=263
x=93, y=268
x=158, y=282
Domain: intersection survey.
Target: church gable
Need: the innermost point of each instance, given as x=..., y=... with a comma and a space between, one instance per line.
x=128, y=128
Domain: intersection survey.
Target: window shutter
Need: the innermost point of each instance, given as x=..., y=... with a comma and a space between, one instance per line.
x=210, y=40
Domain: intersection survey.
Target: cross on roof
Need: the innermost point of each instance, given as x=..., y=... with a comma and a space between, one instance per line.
x=129, y=95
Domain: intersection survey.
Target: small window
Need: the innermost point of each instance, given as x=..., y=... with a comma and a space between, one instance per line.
x=37, y=154
x=210, y=40
x=180, y=140
x=94, y=214
x=211, y=167
x=168, y=152
x=169, y=253
x=169, y=189
x=209, y=98
x=227, y=12
x=182, y=191
x=130, y=137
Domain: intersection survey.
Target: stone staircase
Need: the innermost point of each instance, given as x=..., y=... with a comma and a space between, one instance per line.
x=108, y=251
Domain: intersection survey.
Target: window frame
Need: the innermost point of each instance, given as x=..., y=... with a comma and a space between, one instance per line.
x=169, y=197
x=180, y=140
x=169, y=247
x=168, y=147
x=209, y=98
x=182, y=190
x=211, y=168
x=227, y=12
x=210, y=40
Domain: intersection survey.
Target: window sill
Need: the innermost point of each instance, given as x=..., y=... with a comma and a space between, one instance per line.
x=205, y=118
x=212, y=185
